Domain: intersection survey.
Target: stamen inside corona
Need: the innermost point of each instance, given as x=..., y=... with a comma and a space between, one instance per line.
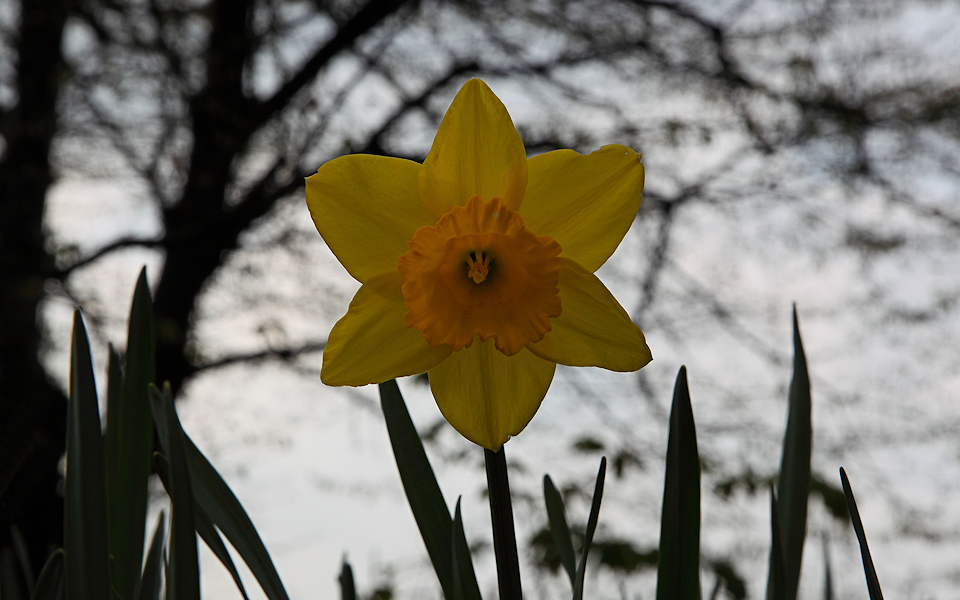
x=478, y=264
x=479, y=271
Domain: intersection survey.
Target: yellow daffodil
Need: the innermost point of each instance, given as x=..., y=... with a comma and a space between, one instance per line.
x=477, y=266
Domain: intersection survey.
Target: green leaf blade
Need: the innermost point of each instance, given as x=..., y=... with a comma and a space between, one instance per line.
x=216, y=507
x=827, y=573
x=208, y=533
x=420, y=485
x=49, y=584
x=110, y=432
x=793, y=489
x=556, y=515
x=183, y=568
x=592, y=521
x=217, y=500
x=149, y=586
x=464, y=576
x=348, y=590
x=86, y=545
x=869, y=571
x=213, y=497
x=776, y=578
x=678, y=571
x=130, y=440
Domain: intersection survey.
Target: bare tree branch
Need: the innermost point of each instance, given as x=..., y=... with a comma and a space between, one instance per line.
x=282, y=354
x=371, y=14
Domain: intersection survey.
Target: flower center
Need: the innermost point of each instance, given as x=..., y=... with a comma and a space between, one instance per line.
x=478, y=264
x=479, y=271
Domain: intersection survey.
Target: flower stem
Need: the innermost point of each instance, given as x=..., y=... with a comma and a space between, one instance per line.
x=504, y=536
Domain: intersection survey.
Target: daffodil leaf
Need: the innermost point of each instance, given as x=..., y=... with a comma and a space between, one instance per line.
x=776, y=587
x=348, y=590
x=559, y=528
x=213, y=497
x=464, y=579
x=457, y=586
x=793, y=488
x=209, y=534
x=129, y=438
x=591, y=529
x=873, y=584
x=183, y=568
x=85, y=543
x=111, y=431
x=827, y=573
x=9, y=572
x=150, y=582
x=22, y=553
x=49, y=584
x=678, y=572
x=420, y=485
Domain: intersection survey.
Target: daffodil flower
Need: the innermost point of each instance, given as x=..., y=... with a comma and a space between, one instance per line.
x=477, y=266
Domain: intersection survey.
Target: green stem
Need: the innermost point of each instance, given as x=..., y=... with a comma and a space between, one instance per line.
x=504, y=536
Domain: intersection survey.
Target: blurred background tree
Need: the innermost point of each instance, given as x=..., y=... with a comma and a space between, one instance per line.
x=837, y=120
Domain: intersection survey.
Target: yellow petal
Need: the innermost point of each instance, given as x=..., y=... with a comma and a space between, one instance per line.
x=593, y=330
x=367, y=208
x=477, y=151
x=586, y=203
x=488, y=396
x=370, y=344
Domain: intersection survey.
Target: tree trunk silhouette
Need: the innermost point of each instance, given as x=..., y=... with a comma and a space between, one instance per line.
x=32, y=408
x=201, y=229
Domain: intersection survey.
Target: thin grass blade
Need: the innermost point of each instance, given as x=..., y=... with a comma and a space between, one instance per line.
x=10, y=584
x=420, y=485
x=110, y=432
x=556, y=514
x=23, y=557
x=464, y=578
x=678, y=571
x=183, y=569
x=776, y=586
x=591, y=529
x=217, y=501
x=213, y=540
x=85, y=541
x=793, y=488
x=348, y=590
x=149, y=587
x=463, y=572
x=873, y=584
x=129, y=449
x=827, y=573
x=457, y=585
x=49, y=584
